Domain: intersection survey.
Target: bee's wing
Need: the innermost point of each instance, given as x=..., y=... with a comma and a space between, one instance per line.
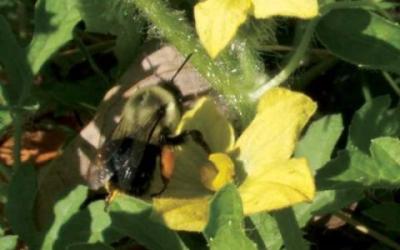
x=139, y=130
x=140, y=133
x=97, y=175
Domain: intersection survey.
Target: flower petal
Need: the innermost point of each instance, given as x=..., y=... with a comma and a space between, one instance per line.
x=217, y=22
x=272, y=135
x=277, y=185
x=215, y=128
x=184, y=214
x=294, y=8
x=184, y=204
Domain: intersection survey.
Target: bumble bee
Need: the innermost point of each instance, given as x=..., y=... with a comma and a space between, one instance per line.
x=128, y=158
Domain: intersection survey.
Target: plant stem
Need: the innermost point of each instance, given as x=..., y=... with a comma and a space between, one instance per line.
x=366, y=92
x=14, y=59
x=314, y=72
x=347, y=4
x=299, y=53
x=364, y=229
x=17, y=122
x=285, y=48
x=292, y=65
x=100, y=46
x=220, y=73
x=391, y=82
x=89, y=57
x=290, y=231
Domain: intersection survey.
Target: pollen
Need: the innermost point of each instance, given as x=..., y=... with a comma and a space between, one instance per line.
x=218, y=172
x=112, y=193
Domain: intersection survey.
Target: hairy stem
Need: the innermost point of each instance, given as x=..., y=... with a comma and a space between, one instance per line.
x=220, y=73
x=292, y=65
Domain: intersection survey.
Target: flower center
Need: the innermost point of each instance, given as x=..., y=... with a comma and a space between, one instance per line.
x=218, y=172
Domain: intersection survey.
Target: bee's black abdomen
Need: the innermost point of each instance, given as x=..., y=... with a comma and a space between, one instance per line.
x=132, y=172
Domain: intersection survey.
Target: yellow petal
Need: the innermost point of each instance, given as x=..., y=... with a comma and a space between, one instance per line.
x=277, y=185
x=294, y=8
x=272, y=135
x=215, y=128
x=219, y=172
x=217, y=22
x=184, y=204
x=184, y=214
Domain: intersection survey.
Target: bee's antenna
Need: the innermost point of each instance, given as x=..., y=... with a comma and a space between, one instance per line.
x=181, y=67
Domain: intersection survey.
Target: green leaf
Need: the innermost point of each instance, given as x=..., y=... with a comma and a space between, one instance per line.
x=118, y=18
x=7, y=172
x=19, y=208
x=373, y=120
x=326, y=202
x=266, y=228
x=386, y=5
x=135, y=218
x=5, y=121
x=54, y=24
x=193, y=240
x=64, y=210
x=74, y=95
x=319, y=141
x=354, y=169
x=5, y=116
x=290, y=230
x=350, y=169
x=386, y=153
x=225, y=226
x=8, y=242
x=362, y=38
x=86, y=246
x=89, y=225
x=100, y=223
x=387, y=214
x=13, y=59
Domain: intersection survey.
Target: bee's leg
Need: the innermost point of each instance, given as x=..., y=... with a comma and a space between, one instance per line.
x=196, y=136
x=112, y=193
x=167, y=165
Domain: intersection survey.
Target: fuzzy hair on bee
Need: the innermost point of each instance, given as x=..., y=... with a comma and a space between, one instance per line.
x=142, y=139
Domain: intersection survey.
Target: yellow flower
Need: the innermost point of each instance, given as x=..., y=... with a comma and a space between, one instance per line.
x=259, y=162
x=217, y=21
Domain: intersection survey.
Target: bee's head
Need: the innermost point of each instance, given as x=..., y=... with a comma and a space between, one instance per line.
x=155, y=108
x=152, y=106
